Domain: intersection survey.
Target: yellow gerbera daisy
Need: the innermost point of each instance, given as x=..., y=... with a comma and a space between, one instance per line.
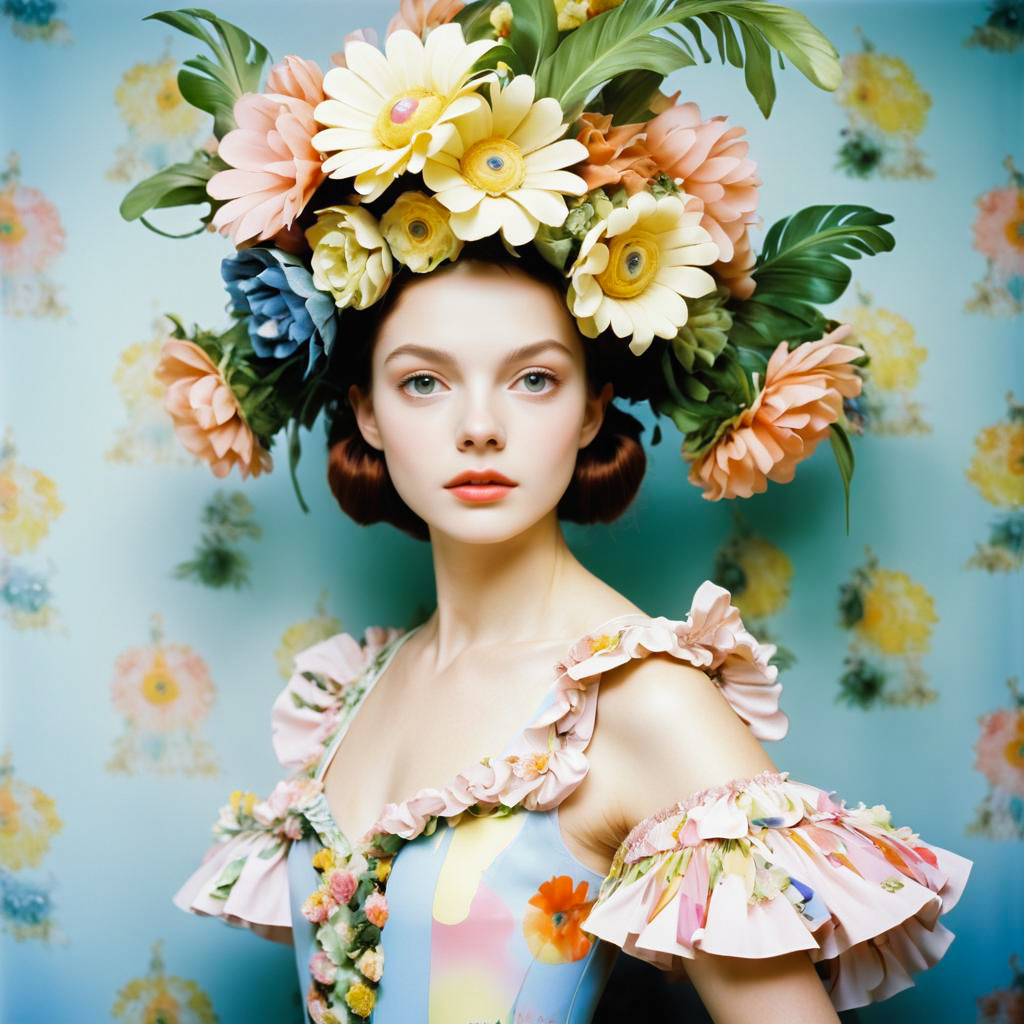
x=635, y=266
x=386, y=114
x=503, y=169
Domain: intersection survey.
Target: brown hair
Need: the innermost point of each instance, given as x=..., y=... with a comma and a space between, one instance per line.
x=608, y=470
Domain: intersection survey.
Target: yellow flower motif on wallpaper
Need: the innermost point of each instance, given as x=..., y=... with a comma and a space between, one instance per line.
x=997, y=468
x=147, y=437
x=898, y=613
x=886, y=108
x=162, y=126
x=891, y=617
x=151, y=103
x=28, y=820
x=163, y=691
x=159, y=998
x=28, y=502
x=768, y=572
x=551, y=924
x=893, y=372
x=304, y=634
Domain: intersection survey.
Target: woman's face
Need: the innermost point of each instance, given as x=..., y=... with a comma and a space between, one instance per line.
x=476, y=369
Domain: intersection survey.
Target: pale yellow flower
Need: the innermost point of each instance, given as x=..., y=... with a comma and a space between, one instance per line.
x=636, y=265
x=501, y=19
x=571, y=13
x=350, y=258
x=386, y=114
x=997, y=469
x=418, y=233
x=898, y=613
x=504, y=169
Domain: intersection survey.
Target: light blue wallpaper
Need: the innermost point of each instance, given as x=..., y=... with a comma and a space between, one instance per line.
x=135, y=697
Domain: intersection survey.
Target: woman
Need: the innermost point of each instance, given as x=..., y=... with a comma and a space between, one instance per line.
x=461, y=835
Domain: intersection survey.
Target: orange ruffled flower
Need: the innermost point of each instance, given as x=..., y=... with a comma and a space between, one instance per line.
x=616, y=155
x=274, y=168
x=551, y=925
x=419, y=15
x=207, y=417
x=711, y=161
x=802, y=396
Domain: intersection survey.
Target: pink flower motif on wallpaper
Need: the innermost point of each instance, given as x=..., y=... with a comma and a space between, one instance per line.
x=998, y=234
x=999, y=757
x=163, y=691
x=31, y=239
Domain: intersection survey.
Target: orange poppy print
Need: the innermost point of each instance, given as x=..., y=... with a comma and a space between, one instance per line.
x=551, y=925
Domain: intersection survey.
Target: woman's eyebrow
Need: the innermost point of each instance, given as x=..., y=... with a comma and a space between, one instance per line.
x=440, y=356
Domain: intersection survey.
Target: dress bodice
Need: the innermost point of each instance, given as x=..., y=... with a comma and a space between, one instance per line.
x=462, y=903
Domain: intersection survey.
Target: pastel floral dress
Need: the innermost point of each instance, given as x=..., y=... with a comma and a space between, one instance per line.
x=464, y=905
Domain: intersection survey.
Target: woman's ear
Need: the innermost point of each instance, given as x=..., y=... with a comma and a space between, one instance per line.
x=362, y=406
x=596, y=406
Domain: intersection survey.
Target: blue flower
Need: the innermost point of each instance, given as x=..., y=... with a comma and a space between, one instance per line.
x=286, y=310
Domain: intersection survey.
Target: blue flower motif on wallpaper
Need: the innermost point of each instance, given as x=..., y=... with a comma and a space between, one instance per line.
x=163, y=691
x=33, y=20
x=160, y=998
x=886, y=109
x=28, y=823
x=890, y=617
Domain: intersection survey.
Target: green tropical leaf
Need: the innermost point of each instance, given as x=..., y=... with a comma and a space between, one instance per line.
x=627, y=97
x=801, y=266
x=237, y=69
x=621, y=40
x=843, y=451
x=475, y=19
x=178, y=185
x=533, y=33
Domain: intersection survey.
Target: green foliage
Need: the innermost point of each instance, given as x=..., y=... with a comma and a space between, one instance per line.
x=800, y=267
x=178, y=185
x=236, y=70
x=622, y=41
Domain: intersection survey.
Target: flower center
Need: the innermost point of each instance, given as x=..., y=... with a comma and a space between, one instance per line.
x=168, y=97
x=11, y=228
x=1015, y=232
x=418, y=229
x=405, y=114
x=494, y=165
x=632, y=263
x=158, y=687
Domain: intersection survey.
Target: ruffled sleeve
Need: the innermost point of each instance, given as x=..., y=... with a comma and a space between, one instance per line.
x=764, y=866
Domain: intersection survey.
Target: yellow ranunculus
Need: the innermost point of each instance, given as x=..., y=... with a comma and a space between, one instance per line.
x=418, y=233
x=350, y=258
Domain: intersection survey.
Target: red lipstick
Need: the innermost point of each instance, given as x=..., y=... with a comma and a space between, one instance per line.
x=480, y=485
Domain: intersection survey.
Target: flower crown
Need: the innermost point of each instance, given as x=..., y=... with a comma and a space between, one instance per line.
x=542, y=122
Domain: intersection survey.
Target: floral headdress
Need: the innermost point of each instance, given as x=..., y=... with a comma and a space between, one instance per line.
x=541, y=122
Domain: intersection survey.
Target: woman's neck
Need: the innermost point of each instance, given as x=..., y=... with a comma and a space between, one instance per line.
x=524, y=589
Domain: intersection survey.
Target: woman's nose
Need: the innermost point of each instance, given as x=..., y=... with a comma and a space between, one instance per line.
x=480, y=425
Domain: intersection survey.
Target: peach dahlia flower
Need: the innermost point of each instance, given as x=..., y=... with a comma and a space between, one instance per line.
x=207, y=417
x=274, y=167
x=802, y=396
x=420, y=15
x=711, y=160
x=615, y=154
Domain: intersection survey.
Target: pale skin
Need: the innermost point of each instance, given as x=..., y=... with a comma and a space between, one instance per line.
x=511, y=598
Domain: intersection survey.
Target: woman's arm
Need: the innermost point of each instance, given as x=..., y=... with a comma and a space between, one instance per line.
x=671, y=733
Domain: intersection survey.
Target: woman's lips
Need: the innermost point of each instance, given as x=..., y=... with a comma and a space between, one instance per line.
x=476, y=493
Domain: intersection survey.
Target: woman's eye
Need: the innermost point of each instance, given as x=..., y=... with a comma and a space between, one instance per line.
x=536, y=381
x=422, y=384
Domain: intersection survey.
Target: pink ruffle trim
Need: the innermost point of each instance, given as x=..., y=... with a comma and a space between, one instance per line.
x=808, y=873
x=257, y=899
x=305, y=713
x=548, y=761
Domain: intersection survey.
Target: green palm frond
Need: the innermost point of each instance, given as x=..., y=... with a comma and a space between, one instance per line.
x=236, y=70
x=801, y=266
x=622, y=40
